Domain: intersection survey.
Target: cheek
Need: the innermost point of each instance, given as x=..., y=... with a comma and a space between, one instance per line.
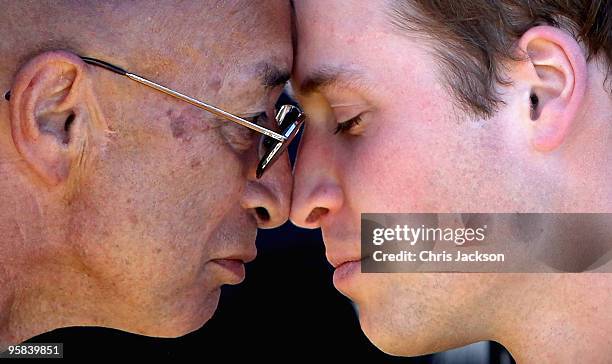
x=186, y=203
x=426, y=156
x=155, y=210
x=406, y=156
x=191, y=185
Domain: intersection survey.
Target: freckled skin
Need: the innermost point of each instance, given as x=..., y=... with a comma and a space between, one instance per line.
x=215, y=84
x=133, y=219
x=185, y=123
x=159, y=188
x=195, y=163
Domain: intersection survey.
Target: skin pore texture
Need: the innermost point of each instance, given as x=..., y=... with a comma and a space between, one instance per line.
x=414, y=150
x=123, y=207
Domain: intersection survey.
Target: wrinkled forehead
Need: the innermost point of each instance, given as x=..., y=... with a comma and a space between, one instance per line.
x=199, y=44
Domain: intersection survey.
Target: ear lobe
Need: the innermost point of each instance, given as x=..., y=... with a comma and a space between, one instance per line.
x=47, y=108
x=557, y=74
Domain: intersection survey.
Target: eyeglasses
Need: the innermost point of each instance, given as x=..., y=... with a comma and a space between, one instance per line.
x=271, y=145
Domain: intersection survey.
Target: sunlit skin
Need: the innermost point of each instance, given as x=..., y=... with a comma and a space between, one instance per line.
x=134, y=214
x=414, y=150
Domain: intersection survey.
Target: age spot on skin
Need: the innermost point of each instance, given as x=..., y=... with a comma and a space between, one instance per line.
x=195, y=163
x=177, y=126
x=215, y=84
x=133, y=219
x=184, y=124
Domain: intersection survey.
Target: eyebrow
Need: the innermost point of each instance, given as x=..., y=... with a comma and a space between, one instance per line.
x=272, y=76
x=328, y=77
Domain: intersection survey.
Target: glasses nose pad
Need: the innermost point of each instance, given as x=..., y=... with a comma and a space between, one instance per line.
x=290, y=119
x=269, y=150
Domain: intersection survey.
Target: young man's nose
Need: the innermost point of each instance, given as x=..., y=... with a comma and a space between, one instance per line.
x=316, y=192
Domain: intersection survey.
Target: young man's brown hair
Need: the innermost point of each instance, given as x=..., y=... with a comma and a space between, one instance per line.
x=475, y=37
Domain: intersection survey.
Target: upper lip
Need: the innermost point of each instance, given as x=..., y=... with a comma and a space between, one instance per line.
x=244, y=256
x=338, y=254
x=340, y=247
x=338, y=261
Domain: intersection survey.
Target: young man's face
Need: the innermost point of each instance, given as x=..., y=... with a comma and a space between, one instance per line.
x=411, y=150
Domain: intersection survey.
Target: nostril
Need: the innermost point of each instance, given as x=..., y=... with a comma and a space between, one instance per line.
x=262, y=214
x=316, y=214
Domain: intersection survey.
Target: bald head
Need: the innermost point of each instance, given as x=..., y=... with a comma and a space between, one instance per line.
x=134, y=31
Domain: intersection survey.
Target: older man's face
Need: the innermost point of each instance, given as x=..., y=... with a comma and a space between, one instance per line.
x=171, y=211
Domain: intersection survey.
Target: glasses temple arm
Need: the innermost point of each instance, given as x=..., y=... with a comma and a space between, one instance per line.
x=180, y=96
x=106, y=65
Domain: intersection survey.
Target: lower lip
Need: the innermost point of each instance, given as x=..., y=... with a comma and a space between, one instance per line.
x=345, y=273
x=233, y=268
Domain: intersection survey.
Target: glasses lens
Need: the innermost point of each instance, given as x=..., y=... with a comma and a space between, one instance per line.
x=289, y=118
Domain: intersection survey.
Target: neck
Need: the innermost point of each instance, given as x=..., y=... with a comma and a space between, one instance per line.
x=566, y=322
x=50, y=296
x=7, y=299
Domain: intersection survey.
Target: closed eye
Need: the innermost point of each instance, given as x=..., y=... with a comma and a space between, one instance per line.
x=259, y=119
x=346, y=126
x=242, y=138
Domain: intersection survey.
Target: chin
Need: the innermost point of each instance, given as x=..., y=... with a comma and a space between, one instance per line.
x=395, y=335
x=381, y=335
x=191, y=317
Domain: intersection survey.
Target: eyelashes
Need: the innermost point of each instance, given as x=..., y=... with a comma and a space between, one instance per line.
x=346, y=126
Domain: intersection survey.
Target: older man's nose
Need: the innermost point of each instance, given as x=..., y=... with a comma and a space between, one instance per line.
x=269, y=198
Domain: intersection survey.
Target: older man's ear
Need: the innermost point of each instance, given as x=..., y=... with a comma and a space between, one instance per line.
x=51, y=110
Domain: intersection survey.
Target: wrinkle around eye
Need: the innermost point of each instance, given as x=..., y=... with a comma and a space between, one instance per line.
x=240, y=138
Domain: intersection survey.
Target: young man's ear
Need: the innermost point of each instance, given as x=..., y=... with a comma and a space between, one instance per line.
x=556, y=73
x=49, y=112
